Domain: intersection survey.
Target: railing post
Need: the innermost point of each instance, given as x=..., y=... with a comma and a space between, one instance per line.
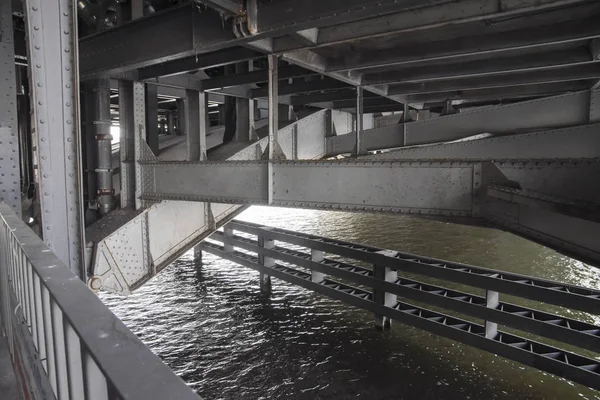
x=380, y=296
x=316, y=256
x=227, y=246
x=264, y=279
x=491, y=328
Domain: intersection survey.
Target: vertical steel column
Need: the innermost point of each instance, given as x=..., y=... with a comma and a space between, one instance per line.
x=10, y=188
x=594, y=105
x=91, y=153
x=204, y=123
x=53, y=69
x=264, y=279
x=152, y=118
x=273, y=121
x=228, y=233
x=102, y=123
x=137, y=9
x=492, y=301
x=316, y=256
x=192, y=123
x=359, y=120
x=139, y=135
x=127, y=144
x=180, y=116
x=381, y=297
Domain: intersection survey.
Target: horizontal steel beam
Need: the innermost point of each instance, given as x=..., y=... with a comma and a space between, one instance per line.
x=547, y=358
x=522, y=62
x=551, y=75
x=175, y=33
x=342, y=94
x=573, y=332
x=542, y=290
x=540, y=114
x=260, y=76
x=195, y=62
x=428, y=16
x=500, y=94
x=583, y=142
x=301, y=87
x=468, y=46
x=444, y=189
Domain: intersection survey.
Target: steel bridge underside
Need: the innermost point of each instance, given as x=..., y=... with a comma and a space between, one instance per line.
x=495, y=118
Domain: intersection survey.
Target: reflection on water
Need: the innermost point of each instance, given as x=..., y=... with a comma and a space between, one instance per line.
x=216, y=330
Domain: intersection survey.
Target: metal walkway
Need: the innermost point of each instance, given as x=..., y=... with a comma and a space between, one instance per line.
x=379, y=289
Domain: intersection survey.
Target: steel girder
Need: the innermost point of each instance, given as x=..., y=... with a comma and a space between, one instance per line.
x=546, y=113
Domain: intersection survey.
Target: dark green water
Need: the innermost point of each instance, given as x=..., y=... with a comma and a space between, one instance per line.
x=224, y=338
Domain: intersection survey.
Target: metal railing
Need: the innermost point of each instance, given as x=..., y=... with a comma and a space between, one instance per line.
x=384, y=292
x=64, y=342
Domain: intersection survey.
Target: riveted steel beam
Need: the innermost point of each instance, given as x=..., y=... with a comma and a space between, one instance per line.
x=467, y=46
x=175, y=33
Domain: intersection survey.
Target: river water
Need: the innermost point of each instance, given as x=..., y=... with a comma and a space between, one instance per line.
x=215, y=329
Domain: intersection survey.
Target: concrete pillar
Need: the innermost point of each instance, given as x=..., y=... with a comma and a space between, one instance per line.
x=381, y=297
x=316, y=256
x=152, y=118
x=102, y=124
x=203, y=123
x=265, y=279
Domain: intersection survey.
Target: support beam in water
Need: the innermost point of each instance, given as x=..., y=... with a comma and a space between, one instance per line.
x=349, y=283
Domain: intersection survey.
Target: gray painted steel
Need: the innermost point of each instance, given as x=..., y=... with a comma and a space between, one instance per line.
x=55, y=99
x=545, y=113
x=75, y=336
x=127, y=144
x=9, y=148
x=575, y=142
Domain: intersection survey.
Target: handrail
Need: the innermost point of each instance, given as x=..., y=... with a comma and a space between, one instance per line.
x=83, y=351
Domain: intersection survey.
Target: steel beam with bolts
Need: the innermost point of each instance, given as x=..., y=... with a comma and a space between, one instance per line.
x=546, y=113
x=531, y=37
x=55, y=95
x=9, y=150
x=175, y=33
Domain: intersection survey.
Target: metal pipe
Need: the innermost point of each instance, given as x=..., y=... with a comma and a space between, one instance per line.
x=102, y=123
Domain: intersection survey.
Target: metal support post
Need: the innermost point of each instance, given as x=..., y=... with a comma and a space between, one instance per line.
x=91, y=153
x=102, y=123
x=227, y=246
x=192, y=122
x=139, y=126
x=204, y=122
x=252, y=120
x=180, y=116
x=381, y=297
x=359, y=120
x=10, y=191
x=595, y=105
x=152, y=118
x=53, y=71
x=198, y=254
x=316, y=256
x=127, y=144
x=492, y=301
x=273, y=106
x=264, y=279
